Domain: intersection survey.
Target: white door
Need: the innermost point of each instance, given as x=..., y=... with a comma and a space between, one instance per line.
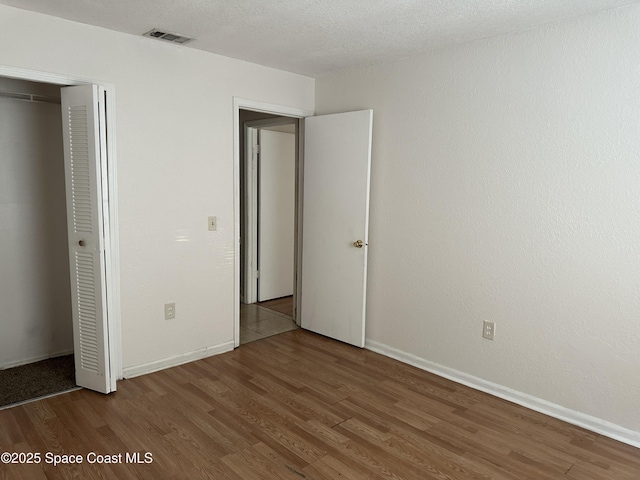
x=83, y=120
x=335, y=224
x=277, y=176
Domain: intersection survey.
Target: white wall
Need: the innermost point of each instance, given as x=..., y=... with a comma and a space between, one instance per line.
x=506, y=187
x=175, y=168
x=35, y=292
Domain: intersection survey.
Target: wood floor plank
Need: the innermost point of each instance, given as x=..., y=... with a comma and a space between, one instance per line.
x=302, y=406
x=249, y=464
x=10, y=433
x=331, y=467
x=282, y=305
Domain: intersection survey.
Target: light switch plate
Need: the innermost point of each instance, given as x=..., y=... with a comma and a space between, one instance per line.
x=213, y=223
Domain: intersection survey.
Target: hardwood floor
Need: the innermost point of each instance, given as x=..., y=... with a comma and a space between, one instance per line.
x=282, y=305
x=301, y=406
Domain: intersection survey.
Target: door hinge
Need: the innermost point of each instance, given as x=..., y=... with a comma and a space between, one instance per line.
x=257, y=273
x=256, y=149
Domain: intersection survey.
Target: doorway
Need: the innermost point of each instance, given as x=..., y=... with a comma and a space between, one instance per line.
x=105, y=288
x=36, y=337
x=335, y=199
x=268, y=151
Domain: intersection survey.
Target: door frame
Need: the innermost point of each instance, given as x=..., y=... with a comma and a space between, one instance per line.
x=274, y=109
x=252, y=203
x=109, y=207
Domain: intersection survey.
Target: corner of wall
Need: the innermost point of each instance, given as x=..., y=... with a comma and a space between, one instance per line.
x=579, y=419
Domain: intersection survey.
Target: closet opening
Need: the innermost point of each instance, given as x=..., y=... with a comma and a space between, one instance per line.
x=60, y=269
x=36, y=337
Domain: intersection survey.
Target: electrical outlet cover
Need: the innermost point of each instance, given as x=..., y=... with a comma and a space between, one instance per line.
x=488, y=330
x=169, y=311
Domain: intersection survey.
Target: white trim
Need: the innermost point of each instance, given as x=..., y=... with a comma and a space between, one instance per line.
x=270, y=122
x=583, y=420
x=250, y=240
x=45, y=77
x=24, y=402
x=297, y=286
x=256, y=106
x=38, y=358
x=272, y=108
x=113, y=265
x=145, y=368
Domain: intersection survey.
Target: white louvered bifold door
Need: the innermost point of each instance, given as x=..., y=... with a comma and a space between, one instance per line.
x=83, y=120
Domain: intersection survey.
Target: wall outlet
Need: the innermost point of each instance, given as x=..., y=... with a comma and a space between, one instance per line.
x=488, y=330
x=169, y=311
x=213, y=223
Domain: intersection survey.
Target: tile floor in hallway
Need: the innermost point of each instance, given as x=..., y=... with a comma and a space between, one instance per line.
x=258, y=322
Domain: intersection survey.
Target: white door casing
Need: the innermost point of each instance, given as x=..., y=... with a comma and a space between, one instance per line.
x=84, y=123
x=337, y=165
x=277, y=171
x=257, y=106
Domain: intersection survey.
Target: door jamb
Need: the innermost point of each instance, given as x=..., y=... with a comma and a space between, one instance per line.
x=110, y=207
x=257, y=106
x=250, y=237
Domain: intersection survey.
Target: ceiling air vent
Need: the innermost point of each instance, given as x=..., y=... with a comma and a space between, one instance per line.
x=169, y=37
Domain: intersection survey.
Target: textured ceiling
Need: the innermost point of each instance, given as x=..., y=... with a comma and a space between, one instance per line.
x=315, y=37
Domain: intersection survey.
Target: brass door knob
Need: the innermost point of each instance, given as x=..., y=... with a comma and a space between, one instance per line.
x=358, y=243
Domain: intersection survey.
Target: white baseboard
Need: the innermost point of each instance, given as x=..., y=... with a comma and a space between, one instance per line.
x=135, y=371
x=583, y=420
x=25, y=361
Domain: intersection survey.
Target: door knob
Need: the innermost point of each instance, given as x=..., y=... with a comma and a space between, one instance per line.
x=82, y=243
x=358, y=243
